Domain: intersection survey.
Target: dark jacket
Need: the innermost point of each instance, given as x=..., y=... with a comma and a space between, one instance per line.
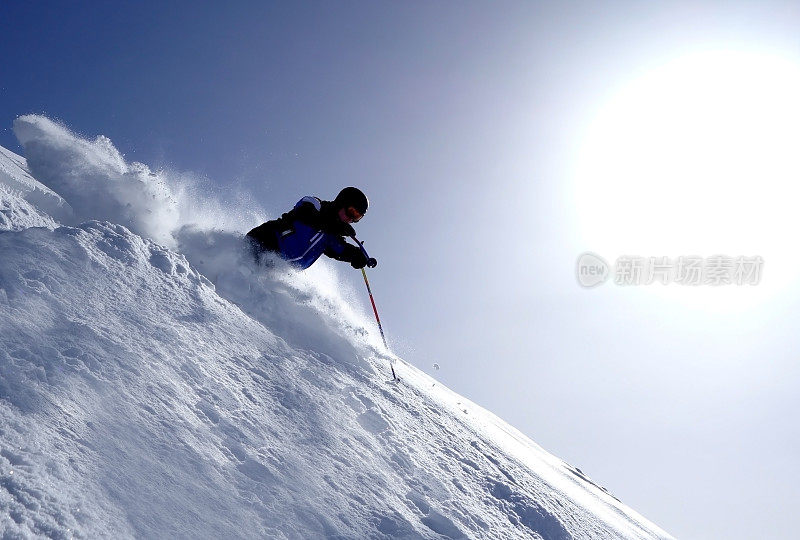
x=304, y=233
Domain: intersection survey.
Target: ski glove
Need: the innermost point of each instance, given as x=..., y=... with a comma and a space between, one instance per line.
x=362, y=262
x=359, y=260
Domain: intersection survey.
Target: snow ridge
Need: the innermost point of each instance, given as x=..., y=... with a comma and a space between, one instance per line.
x=165, y=385
x=14, y=175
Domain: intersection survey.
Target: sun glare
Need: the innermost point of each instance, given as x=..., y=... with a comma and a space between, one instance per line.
x=697, y=157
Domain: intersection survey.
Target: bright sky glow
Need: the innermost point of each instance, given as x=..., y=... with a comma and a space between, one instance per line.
x=698, y=157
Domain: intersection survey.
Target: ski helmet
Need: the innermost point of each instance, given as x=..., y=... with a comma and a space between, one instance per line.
x=354, y=197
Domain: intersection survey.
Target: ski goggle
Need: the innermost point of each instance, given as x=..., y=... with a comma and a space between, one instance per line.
x=353, y=214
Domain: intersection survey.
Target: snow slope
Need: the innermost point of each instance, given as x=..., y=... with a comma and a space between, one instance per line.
x=177, y=389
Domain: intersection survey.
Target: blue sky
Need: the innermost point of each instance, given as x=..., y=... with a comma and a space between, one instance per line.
x=463, y=122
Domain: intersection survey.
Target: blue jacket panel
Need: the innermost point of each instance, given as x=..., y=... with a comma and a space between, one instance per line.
x=301, y=244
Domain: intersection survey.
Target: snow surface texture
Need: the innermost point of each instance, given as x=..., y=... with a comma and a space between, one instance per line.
x=187, y=392
x=16, y=179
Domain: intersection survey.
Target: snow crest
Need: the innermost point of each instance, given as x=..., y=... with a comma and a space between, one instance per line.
x=16, y=213
x=14, y=175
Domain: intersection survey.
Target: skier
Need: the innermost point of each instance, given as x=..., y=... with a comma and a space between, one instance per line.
x=314, y=227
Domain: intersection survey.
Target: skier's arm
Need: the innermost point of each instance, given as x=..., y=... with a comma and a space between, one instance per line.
x=340, y=250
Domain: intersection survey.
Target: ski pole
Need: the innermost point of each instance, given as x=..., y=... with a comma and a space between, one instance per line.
x=377, y=318
x=374, y=307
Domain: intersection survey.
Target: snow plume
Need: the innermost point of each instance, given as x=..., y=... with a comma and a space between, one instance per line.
x=203, y=206
x=95, y=179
